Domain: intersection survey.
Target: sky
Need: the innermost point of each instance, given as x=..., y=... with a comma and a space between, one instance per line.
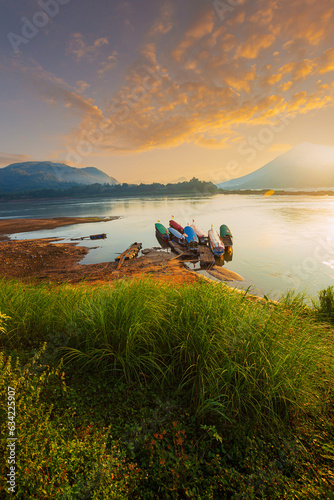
x=162, y=91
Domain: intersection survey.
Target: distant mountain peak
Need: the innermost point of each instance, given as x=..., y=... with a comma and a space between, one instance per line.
x=31, y=175
x=306, y=165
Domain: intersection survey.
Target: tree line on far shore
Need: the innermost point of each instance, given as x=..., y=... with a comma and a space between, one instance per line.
x=194, y=186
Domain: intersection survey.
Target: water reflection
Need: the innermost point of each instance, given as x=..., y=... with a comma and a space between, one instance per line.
x=227, y=257
x=193, y=257
x=164, y=244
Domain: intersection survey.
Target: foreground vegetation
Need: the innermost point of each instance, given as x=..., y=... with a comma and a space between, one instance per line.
x=143, y=390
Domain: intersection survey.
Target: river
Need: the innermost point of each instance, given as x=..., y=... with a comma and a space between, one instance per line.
x=280, y=242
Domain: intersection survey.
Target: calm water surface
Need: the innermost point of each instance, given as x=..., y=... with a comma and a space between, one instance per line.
x=280, y=242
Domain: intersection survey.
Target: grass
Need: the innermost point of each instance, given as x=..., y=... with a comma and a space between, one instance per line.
x=133, y=359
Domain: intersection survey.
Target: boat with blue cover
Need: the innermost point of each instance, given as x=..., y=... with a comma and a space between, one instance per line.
x=191, y=238
x=177, y=236
x=216, y=244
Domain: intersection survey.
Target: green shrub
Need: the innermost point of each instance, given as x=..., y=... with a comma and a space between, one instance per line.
x=56, y=457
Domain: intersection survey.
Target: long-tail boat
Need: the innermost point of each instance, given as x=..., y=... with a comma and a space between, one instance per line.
x=199, y=233
x=226, y=236
x=216, y=244
x=162, y=231
x=191, y=238
x=177, y=236
x=176, y=226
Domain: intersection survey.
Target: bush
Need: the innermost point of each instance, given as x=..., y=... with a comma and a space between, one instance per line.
x=56, y=456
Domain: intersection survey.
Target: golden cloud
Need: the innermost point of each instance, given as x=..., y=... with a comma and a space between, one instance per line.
x=251, y=48
x=79, y=49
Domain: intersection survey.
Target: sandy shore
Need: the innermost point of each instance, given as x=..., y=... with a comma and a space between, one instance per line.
x=59, y=262
x=11, y=226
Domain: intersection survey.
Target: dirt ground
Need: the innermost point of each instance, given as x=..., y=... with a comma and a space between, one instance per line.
x=11, y=226
x=59, y=262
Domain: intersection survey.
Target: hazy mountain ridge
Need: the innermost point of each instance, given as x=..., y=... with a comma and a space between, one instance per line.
x=304, y=166
x=48, y=175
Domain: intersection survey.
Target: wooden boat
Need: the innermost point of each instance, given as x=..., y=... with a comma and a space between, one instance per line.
x=176, y=226
x=177, y=236
x=226, y=236
x=92, y=237
x=199, y=233
x=98, y=236
x=191, y=238
x=162, y=231
x=216, y=244
x=130, y=253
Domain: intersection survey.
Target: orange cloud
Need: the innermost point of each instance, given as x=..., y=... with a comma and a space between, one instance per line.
x=252, y=47
x=8, y=158
x=163, y=24
x=326, y=62
x=286, y=86
x=201, y=27
x=217, y=80
x=78, y=47
x=303, y=69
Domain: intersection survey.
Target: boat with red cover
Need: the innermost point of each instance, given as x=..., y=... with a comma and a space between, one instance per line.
x=176, y=226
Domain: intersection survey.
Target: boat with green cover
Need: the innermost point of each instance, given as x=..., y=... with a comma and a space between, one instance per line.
x=162, y=231
x=226, y=236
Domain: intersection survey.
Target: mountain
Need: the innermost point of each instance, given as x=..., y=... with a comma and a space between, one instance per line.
x=48, y=175
x=304, y=166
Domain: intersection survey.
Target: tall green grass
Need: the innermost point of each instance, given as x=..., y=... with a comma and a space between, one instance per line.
x=212, y=347
x=325, y=305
